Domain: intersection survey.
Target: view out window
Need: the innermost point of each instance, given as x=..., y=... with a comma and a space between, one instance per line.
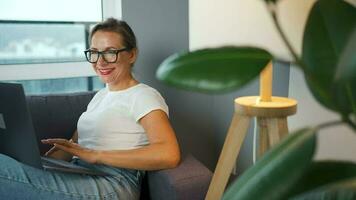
x=25, y=43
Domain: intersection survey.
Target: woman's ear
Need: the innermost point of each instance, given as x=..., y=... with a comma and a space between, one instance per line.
x=133, y=55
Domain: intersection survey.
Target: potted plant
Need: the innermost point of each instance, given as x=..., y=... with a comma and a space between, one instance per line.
x=328, y=61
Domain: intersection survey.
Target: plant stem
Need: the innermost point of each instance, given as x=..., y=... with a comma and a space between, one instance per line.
x=328, y=124
x=350, y=123
x=351, y=98
x=338, y=122
x=272, y=10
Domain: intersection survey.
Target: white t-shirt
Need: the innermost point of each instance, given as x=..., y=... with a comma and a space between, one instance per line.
x=111, y=119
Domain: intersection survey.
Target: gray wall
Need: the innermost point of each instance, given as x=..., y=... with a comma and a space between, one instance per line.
x=200, y=120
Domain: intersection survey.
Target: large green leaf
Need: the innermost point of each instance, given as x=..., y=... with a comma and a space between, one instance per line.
x=272, y=177
x=213, y=70
x=342, y=190
x=322, y=173
x=327, y=35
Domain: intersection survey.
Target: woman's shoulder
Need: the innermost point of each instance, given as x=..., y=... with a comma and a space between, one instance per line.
x=145, y=90
x=145, y=87
x=146, y=99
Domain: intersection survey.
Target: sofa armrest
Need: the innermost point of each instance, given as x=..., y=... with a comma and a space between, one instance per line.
x=190, y=180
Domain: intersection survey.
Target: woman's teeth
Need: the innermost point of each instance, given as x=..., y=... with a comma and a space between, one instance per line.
x=105, y=71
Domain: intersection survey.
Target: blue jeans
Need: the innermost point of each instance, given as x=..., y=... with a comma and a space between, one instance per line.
x=20, y=181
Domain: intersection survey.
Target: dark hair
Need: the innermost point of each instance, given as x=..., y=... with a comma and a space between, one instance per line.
x=117, y=26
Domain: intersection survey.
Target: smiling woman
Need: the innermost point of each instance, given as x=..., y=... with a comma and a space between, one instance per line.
x=124, y=131
x=115, y=41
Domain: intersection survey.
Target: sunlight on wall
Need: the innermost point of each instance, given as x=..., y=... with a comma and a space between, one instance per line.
x=241, y=22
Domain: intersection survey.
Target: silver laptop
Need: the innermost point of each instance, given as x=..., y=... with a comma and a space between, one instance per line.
x=17, y=136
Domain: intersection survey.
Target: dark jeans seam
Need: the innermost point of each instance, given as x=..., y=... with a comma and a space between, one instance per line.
x=83, y=196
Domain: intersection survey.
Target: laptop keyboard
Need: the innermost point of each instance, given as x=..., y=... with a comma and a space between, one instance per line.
x=61, y=165
x=51, y=162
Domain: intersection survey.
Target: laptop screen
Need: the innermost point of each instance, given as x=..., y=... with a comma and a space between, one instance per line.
x=17, y=136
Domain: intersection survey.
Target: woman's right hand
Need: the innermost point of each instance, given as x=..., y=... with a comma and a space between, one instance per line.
x=57, y=153
x=51, y=151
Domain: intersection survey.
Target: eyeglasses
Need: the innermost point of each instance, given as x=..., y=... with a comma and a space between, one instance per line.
x=109, y=56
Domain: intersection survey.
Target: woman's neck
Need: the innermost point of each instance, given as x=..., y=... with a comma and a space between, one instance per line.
x=123, y=84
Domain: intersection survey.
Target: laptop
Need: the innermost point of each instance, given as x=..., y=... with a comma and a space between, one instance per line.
x=17, y=136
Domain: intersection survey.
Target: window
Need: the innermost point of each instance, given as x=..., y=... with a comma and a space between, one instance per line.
x=42, y=44
x=31, y=42
x=42, y=31
x=47, y=11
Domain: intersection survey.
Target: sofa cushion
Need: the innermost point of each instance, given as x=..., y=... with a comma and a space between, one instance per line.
x=56, y=116
x=189, y=180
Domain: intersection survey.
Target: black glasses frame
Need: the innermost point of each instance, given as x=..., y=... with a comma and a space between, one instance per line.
x=101, y=53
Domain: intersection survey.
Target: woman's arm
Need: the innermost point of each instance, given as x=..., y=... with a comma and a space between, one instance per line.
x=57, y=153
x=162, y=152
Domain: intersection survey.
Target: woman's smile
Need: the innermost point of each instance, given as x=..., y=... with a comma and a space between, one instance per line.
x=105, y=71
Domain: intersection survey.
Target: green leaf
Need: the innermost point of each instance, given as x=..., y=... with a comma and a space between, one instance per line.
x=346, y=68
x=323, y=173
x=342, y=190
x=273, y=176
x=325, y=46
x=213, y=70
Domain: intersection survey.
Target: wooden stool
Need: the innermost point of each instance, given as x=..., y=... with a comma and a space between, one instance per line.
x=271, y=113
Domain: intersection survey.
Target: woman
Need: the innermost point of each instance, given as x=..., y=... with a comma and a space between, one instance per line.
x=124, y=131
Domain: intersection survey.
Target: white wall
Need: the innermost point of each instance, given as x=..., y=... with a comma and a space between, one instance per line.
x=338, y=143
x=216, y=23
x=112, y=8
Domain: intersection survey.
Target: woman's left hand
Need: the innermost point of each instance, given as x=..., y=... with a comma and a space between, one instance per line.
x=75, y=149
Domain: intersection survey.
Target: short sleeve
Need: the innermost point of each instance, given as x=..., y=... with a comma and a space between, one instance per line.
x=146, y=101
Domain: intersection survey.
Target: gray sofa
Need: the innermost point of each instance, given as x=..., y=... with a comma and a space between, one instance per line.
x=55, y=116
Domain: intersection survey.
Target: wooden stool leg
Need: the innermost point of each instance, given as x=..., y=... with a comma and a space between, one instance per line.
x=263, y=143
x=273, y=131
x=283, y=127
x=233, y=142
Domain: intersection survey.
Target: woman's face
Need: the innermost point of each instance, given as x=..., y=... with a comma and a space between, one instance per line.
x=112, y=73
